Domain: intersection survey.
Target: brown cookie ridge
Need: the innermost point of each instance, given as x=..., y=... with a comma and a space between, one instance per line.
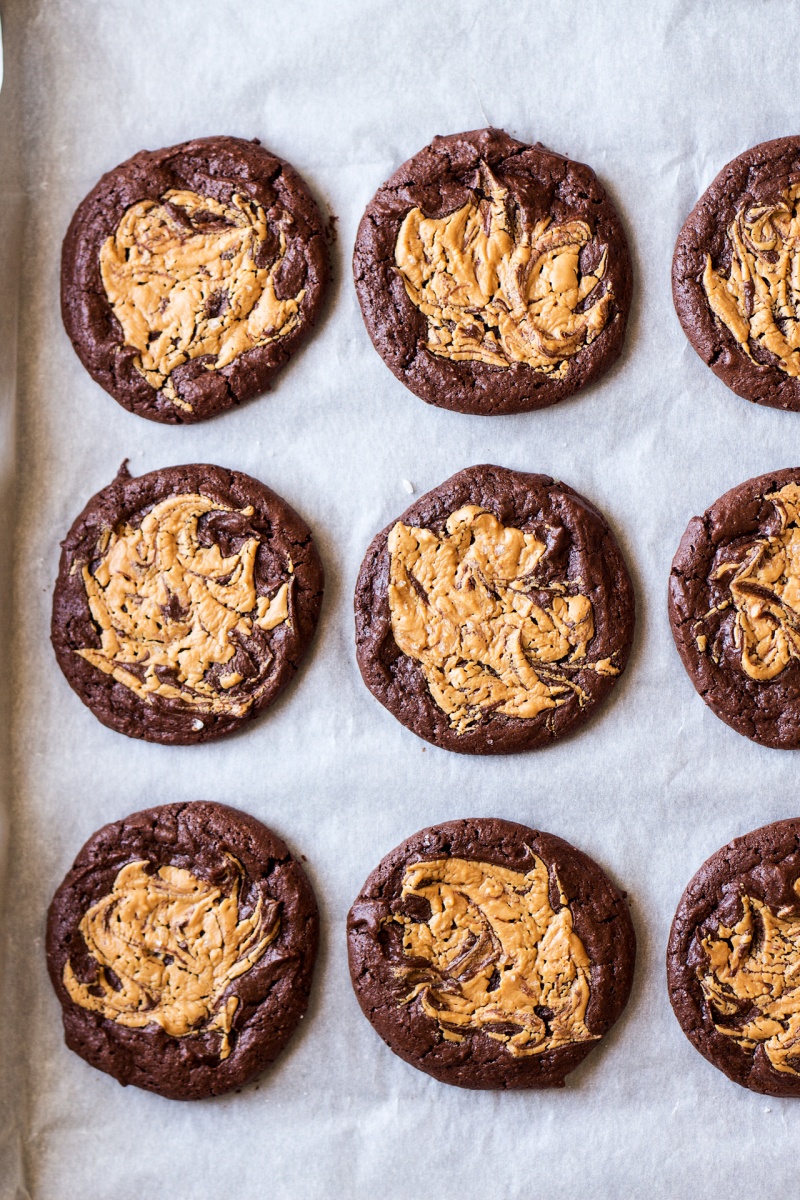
x=538, y=185
x=579, y=547
x=208, y=840
x=217, y=168
x=754, y=180
x=702, y=606
x=755, y=874
x=599, y=918
x=264, y=659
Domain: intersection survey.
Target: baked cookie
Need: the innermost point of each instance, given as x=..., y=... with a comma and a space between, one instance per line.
x=490, y=955
x=184, y=602
x=734, y=607
x=190, y=276
x=494, y=277
x=181, y=946
x=495, y=614
x=733, y=962
x=735, y=274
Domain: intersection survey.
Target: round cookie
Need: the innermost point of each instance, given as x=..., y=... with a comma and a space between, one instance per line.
x=181, y=946
x=191, y=275
x=490, y=955
x=734, y=607
x=493, y=276
x=733, y=958
x=495, y=614
x=733, y=270
x=184, y=602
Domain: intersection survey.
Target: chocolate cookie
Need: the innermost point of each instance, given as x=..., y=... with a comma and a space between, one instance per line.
x=490, y=955
x=181, y=946
x=184, y=602
x=735, y=272
x=190, y=276
x=734, y=607
x=494, y=277
x=495, y=614
x=733, y=960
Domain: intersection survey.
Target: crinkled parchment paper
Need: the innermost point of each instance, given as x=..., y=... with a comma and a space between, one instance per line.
x=657, y=97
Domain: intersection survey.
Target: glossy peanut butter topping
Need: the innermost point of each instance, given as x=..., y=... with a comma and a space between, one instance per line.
x=759, y=300
x=500, y=960
x=172, y=612
x=765, y=593
x=460, y=607
x=492, y=291
x=182, y=278
x=167, y=946
x=752, y=981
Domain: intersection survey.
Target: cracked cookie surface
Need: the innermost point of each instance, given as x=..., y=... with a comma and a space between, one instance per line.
x=493, y=276
x=490, y=955
x=181, y=945
x=191, y=275
x=185, y=601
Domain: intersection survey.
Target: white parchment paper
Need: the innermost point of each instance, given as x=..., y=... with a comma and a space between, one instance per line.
x=657, y=97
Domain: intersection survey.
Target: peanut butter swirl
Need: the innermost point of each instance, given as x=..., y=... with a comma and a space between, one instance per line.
x=765, y=594
x=460, y=607
x=500, y=960
x=493, y=291
x=751, y=981
x=182, y=277
x=167, y=947
x=759, y=299
x=172, y=612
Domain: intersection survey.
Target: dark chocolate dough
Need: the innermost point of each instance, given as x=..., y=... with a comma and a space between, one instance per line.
x=266, y=660
x=600, y=919
x=580, y=546
x=761, y=176
x=768, y=711
x=272, y=995
x=761, y=867
x=540, y=184
x=219, y=168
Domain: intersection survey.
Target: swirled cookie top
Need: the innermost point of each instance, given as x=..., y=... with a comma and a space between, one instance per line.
x=460, y=607
x=173, y=613
x=494, y=291
x=751, y=981
x=167, y=945
x=499, y=960
x=759, y=299
x=183, y=279
x=764, y=594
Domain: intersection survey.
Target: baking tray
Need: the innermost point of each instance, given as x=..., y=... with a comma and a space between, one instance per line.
x=656, y=98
